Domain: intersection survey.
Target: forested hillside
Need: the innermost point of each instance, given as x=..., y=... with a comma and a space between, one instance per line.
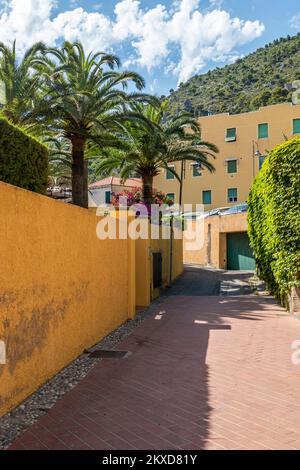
x=259, y=79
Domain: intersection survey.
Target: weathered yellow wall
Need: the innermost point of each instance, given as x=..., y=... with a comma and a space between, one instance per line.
x=280, y=119
x=177, y=265
x=131, y=272
x=214, y=253
x=61, y=288
x=144, y=265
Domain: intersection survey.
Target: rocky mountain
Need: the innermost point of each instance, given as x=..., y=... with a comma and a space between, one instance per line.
x=263, y=77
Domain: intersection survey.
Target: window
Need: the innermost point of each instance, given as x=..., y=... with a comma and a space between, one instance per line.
x=171, y=196
x=263, y=131
x=196, y=168
x=296, y=126
x=169, y=174
x=206, y=197
x=232, y=195
x=261, y=160
x=231, y=135
x=231, y=166
x=107, y=197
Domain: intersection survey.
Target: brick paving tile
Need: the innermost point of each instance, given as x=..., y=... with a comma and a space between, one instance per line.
x=214, y=373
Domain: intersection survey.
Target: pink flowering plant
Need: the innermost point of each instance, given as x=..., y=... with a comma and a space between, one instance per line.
x=135, y=196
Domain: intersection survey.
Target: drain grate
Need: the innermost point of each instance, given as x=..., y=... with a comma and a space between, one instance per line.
x=108, y=354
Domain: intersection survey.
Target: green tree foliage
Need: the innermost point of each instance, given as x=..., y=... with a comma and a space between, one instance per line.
x=23, y=159
x=154, y=142
x=274, y=218
x=21, y=83
x=257, y=80
x=84, y=101
x=60, y=159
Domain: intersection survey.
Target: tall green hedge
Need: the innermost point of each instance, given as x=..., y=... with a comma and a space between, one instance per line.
x=274, y=218
x=23, y=159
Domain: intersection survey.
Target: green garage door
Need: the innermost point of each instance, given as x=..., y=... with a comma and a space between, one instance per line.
x=239, y=253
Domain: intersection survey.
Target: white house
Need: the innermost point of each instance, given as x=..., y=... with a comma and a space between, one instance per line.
x=100, y=193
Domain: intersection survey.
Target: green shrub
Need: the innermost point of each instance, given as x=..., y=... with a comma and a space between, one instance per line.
x=274, y=218
x=23, y=159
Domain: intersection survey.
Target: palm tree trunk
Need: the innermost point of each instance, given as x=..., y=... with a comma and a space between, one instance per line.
x=86, y=184
x=79, y=172
x=147, y=189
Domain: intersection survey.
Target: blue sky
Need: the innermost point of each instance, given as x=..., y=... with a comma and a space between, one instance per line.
x=167, y=41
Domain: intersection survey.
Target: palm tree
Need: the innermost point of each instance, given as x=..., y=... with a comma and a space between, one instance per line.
x=19, y=81
x=85, y=101
x=156, y=142
x=60, y=159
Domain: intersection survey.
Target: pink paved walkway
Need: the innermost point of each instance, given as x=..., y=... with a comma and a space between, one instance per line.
x=212, y=373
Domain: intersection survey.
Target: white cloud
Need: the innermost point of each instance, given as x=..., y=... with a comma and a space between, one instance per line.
x=295, y=21
x=154, y=34
x=27, y=21
x=147, y=31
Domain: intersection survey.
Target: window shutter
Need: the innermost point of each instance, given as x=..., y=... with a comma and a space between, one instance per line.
x=296, y=126
x=232, y=195
x=170, y=175
x=107, y=197
x=206, y=197
x=261, y=160
x=263, y=131
x=231, y=135
x=232, y=166
x=196, y=170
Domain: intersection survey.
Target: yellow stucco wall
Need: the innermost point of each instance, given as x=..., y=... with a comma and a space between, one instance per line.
x=144, y=265
x=280, y=119
x=214, y=250
x=61, y=288
x=177, y=265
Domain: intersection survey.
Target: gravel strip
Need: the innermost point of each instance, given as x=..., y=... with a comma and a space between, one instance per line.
x=18, y=420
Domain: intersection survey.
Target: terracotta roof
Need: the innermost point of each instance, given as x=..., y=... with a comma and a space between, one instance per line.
x=116, y=181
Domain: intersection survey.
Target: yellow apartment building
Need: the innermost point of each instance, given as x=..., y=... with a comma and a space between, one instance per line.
x=243, y=141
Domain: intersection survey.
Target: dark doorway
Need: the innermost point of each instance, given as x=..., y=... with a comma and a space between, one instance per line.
x=157, y=270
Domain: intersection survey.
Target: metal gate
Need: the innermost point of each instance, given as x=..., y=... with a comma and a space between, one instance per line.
x=239, y=253
x=157, y=270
